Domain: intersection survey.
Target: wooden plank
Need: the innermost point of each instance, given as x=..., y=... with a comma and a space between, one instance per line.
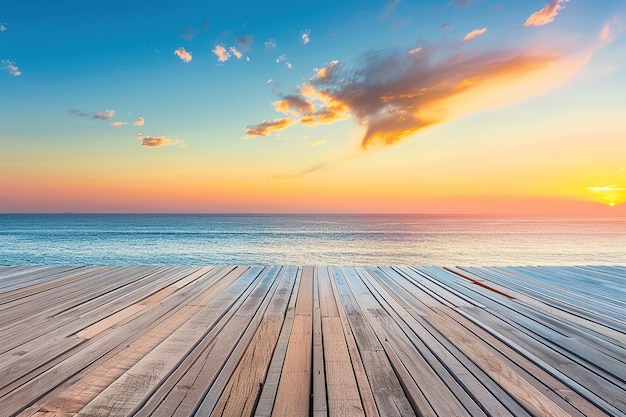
x=365, y=391
x=319, y=406
x=294, y=389
x=342, y=388
x=386, y=388
x=269, y=388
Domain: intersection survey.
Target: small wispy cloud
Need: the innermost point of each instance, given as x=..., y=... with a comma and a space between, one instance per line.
x=546, y=14
x=607, y=188
x=116, y=124
x=317, y=142
x=184, y=55
x=270, y=43
x=159, y=141
x=77, y=112
x=414, y=51
x=474, y=34
x=11, y=67
x=104, y=115
x=267, y=127
x=222, y=54
x=305, y=37
x=445, y=25
x=390, y=8
x=3, y=27
x=139, y=122
x=283, y=58
x=611, y=30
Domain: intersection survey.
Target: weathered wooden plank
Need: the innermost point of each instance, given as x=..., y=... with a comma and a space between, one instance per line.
x=386, y=388
x=294, y=389
x=269, y=389
x=319, y=405
x=342, y=389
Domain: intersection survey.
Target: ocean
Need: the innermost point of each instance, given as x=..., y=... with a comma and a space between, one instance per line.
x=308, y=239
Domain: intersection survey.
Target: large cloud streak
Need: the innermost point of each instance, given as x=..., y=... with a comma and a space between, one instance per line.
x=267, y=127
x=395, y=95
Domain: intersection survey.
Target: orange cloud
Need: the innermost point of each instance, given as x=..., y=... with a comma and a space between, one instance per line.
x=116, y=124
x=139, y=122
x=267, y=127
x=474, y=34
x=159, y=141
x=222, y=54
x=183, y=54
x=546, y=14
x=395, y=95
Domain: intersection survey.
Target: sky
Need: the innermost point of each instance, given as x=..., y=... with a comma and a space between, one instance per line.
x=398, y=106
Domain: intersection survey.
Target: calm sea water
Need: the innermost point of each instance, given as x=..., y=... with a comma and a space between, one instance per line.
x=309, y=239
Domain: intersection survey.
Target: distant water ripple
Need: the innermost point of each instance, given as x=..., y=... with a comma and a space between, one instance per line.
x=309, y=239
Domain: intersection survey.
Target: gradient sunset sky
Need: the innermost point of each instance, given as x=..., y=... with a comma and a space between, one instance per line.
x=453, y=106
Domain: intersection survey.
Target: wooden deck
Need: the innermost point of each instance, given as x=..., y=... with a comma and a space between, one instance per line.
x=320, y=341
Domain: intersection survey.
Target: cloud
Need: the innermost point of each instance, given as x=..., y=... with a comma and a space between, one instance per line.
x=11, y=67
x=445, y=25
x=305, y=37
x=245, y=43
x=77, y=112
x=3, y=27
x=267, y=127
x=235, y=52
x=390, y=8
x=611, y=30
x=104, y=115
x=317, y=142
x=116, y=124
x=183, y=55
x=394, y=95
x=283, y=58
x=159, y=141
x=546, y=14
x=414, y=51
x=139, y=122
x=222, y=54
x=271, y=44
x=474, y=34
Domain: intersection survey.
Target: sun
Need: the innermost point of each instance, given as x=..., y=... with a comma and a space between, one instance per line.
x=612, y=204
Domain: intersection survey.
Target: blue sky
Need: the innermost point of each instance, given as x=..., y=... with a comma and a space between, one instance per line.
x=86, y=89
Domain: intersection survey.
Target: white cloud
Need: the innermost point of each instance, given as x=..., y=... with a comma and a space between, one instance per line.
x=546, y=14
x=116, y=124
x=222, y=54
x=271, y=44
x=305, y=37
x=283, y=58
x=3, y=28
x=474, y=34
x=11, y=67
x=104, y=115
x=414, y=51
x=183, y=54
x=139, y=122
